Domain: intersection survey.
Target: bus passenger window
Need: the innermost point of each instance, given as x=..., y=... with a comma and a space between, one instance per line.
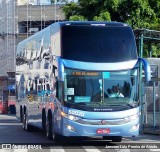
x=48, y=87
x=31, y=86
x=39, y=88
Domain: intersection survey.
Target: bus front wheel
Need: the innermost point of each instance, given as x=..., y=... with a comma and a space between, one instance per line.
x=51, y=135
x=49, y=129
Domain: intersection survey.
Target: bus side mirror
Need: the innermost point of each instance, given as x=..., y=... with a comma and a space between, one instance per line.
x=147, y=69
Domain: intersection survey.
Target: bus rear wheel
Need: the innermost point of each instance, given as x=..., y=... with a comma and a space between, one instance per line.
x=26, y=126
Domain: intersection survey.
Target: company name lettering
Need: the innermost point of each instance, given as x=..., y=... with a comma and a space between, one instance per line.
x=97, y=109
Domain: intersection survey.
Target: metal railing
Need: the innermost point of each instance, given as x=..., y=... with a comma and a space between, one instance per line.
x=151, y=106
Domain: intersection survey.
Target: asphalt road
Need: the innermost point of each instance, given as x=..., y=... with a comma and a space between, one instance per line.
x=13, y=138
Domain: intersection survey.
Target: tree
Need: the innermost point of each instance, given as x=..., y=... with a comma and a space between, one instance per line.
x=77, y=18
x=155, y=5
x=71, y=9
x=104, y=16
x=137, y=13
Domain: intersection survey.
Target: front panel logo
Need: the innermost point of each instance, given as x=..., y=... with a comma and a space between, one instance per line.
x=76, y=113
x=103, y=122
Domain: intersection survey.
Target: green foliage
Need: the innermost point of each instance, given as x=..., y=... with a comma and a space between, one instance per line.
x=137, y=13
x=105, y=16
x=155, y=50
x=155, y=5
x=71, y=9
x=77, y=18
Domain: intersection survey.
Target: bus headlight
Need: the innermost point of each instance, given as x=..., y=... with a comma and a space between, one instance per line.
x=73, y=118
x=134, y=128
x=70, y=128
x=70, y=117
x=132, y=117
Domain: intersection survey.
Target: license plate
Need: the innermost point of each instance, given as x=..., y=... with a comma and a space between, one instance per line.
x=103, y=131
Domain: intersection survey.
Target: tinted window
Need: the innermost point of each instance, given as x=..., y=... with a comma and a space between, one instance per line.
x=98, y=43
x=86, y=90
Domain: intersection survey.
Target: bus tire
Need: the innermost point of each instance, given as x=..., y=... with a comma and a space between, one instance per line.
x=49, y=128
x=51, y=135
x=44, y=121
x=57, y=137
x=117, y=139
x=26, y=126
x=21, y=114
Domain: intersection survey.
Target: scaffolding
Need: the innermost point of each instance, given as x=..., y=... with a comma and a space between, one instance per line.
x=146, y=36
x=38, y=16
x=7, y=36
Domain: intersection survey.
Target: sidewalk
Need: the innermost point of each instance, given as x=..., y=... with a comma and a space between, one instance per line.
x=145, y=138
x=151, y=130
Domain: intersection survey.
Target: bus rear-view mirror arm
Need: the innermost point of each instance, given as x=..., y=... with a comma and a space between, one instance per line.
x=147, y=69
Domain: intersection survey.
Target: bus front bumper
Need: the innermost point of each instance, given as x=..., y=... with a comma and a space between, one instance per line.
x=71, y=128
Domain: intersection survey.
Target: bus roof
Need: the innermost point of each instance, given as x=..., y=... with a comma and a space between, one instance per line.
x=90, y=23
x=79, y=23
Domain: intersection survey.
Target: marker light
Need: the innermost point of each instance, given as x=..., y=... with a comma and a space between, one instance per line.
x=98, y=24
x=134, y=128
x=70, y=117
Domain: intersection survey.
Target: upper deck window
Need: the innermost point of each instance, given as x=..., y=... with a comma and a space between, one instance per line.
x=98, y=43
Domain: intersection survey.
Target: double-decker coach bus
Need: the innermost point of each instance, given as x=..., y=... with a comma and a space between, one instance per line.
x=80, y=79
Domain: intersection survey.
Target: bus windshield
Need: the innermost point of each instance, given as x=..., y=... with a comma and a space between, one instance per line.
x=88, y=90
x=98, y=44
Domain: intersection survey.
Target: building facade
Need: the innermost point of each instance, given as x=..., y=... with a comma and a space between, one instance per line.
x=18, y=22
